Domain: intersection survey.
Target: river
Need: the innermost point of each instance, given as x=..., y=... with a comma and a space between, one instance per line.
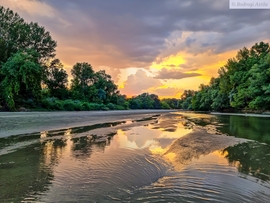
x=176, y=157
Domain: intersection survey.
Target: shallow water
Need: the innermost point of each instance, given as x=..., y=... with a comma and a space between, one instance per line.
x=131, y=165
x=253, y=128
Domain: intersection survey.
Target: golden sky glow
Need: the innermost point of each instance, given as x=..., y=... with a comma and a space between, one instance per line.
x=175, y=60
x=163, y=51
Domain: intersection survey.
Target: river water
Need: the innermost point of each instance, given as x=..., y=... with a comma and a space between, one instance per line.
x=157, y=159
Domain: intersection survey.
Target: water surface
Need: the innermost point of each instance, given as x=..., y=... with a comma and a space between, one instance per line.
x=130, y=164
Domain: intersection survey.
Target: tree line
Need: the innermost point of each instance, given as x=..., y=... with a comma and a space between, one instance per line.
x=243, y=83
x=32, y=77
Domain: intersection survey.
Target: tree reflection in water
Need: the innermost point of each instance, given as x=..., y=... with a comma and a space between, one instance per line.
x=248, y=127
x=32, y=165
x=27, y=171
x=250, y=158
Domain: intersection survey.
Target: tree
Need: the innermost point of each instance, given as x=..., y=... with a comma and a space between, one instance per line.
x=243, y=83
x=259, y=88
x=11, y=32
x=104, y=82
x=186, y=99
x=56, y=79
x=22, y=78
x=172, y=102
x=241, y=74
x=17, y=35
x=135, y=103
x=146, y=101
x=165, y=105
x=156, y=101
x=83, y=78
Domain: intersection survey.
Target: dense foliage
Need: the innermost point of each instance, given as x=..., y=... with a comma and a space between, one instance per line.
x=30, y=76
x=243, y=84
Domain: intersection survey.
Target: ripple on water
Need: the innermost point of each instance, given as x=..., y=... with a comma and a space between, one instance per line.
x=104, y=174
x=128, y=166
x=202, y=182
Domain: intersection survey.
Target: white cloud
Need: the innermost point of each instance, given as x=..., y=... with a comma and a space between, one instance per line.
x=139, y=83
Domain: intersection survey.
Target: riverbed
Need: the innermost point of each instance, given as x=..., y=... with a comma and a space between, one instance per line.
x=157, y=157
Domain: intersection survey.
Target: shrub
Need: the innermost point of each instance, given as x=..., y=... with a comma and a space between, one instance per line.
x=111, y=106
x=49, y=103
x=94, y=106
x=52, y=103
x=68, y=105
x=103, y=107
x=119, y=107
x=29, y=103
x=77, y=105
x=58, y=105
x=85, y=106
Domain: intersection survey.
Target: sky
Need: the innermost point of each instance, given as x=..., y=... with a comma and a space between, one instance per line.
x=157, y=46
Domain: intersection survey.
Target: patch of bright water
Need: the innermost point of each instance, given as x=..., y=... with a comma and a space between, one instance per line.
x=129, y=165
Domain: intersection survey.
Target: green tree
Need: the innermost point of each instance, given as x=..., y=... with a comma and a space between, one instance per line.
x=146, y=101
x=172, y=102
x=165, y=105
x=259, y=88
x=56, y=79
x=156, y=101
x=104, y=82
x=243, y=82
x=82, y=82
x=22, y=78
x=17, y=35
x=186, y=99
x=135, y=103
x=241, y=74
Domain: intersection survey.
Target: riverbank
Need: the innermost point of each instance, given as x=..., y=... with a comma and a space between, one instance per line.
x=14, y=123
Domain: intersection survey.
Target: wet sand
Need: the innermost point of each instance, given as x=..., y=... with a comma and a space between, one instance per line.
x=199, y=143
x=14, y=123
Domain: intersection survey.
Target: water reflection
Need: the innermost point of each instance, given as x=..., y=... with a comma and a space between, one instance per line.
x=27, y=162
x=253, y=128
x=150, y=137
x=207, y=179
x=26, y=171
x=251, y=158
x=128, y=165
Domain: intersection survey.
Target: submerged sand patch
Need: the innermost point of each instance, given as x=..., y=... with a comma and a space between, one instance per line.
x=198, y=143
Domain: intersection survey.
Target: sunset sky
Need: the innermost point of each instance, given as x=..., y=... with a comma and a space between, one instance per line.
x=156, y=46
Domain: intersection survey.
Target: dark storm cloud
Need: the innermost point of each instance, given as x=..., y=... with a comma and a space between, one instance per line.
x=152, y=19
x=132, y=33
x=174, y=74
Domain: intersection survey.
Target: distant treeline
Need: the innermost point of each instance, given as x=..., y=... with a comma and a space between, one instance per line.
x=32, y=78
x=243, y=84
